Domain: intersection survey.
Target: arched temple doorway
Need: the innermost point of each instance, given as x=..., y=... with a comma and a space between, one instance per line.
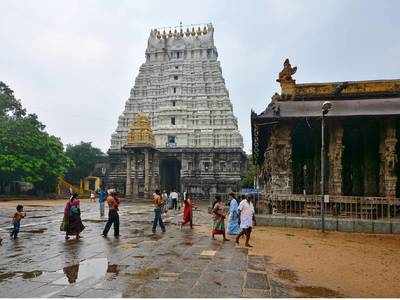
x=170, y=174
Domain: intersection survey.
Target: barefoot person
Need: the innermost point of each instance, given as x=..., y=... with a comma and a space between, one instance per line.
x=218, y=211
x=72, y=223
x=233, y=220
x=188, y=211
x=113, y=216
x=158, y=204
x=19, y=214
x=246, y=215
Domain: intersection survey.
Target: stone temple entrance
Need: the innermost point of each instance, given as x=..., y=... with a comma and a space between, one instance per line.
x=170, y=174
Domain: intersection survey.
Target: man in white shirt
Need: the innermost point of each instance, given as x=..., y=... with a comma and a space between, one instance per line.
x=174, y=199
x=246, y=212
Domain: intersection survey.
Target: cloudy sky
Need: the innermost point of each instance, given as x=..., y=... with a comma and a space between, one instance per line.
x=73, y=63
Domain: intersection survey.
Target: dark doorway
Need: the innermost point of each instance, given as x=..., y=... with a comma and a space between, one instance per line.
x=170, y=174
x=360, y=162
x=92, y=184
x=306, y=147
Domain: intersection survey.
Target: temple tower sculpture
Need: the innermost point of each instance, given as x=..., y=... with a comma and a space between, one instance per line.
x=181, y=89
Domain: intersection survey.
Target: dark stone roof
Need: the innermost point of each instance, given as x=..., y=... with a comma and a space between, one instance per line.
x=340, y=108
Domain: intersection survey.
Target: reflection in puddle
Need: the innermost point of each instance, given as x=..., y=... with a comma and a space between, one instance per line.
x=25, y=275
x=39, y=230
x=32, y=274
x=92, y=268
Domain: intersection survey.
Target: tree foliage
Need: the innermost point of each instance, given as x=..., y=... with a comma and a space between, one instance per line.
x=84, y=156
x=248, y=178
x=27, y=152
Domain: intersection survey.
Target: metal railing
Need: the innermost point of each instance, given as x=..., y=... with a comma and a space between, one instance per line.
x=351, y=207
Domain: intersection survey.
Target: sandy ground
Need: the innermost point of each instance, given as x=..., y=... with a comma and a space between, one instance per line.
x=331, y=264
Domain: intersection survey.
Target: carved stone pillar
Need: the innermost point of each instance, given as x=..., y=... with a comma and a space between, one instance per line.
x=153, y=171
x=335, y=159
x=128, y=188
x=146, y=173
x=387, y=151
x=279, y=161
x=135, y=176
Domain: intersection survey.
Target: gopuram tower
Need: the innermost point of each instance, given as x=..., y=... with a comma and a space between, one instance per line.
x=181, y=90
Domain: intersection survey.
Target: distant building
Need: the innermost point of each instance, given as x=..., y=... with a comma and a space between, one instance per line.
x=197, y=144
x=362, y=148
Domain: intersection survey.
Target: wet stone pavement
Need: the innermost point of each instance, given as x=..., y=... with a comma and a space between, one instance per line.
x=179, y=263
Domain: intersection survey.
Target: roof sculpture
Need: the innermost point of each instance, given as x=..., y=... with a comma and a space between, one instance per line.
x=140, y=132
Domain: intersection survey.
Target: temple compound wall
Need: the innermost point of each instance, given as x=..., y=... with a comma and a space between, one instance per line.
x=197, y=145
x=362, y=150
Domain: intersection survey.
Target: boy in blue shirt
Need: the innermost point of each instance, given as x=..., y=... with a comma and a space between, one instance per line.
x=102, y=199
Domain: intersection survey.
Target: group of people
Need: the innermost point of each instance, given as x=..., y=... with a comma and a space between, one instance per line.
x=240, y=222
x=160, y=202
x=72, y=223
x=171, y=200
x=241, y=217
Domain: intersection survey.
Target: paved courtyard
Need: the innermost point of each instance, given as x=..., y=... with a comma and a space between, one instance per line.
x=179, y=263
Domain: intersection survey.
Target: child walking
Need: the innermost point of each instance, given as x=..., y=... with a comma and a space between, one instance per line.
x=19, y=214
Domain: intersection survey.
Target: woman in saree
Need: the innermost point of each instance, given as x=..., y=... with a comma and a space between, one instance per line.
x=72, y=223
x=233, y=220
x=188, y=211
x=218, y=211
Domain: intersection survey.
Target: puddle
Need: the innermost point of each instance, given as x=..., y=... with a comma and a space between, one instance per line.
x=25, y=275
x=155, y=237
x=32, y=274
x=5, y=276
x=91, y=268
x=94, y=220
x=40, y=230
x=287, y=274
x=317, y=291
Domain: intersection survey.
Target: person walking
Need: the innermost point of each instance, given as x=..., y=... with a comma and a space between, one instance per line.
x=102, y=199
x=72, y=223
x=246, y=211
x=188, y=211
x=164, y=197
x=113, y=216
x=174, y=199
x=233, y=220
x=158, y=203
x=16, y=221
x=92, y=197
x=218, y=211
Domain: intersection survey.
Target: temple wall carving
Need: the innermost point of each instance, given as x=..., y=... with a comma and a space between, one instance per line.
x=388, y=177
x=335, y=151
x=278, y=161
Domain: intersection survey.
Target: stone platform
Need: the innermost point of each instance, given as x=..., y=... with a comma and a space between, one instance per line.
x=180, y=263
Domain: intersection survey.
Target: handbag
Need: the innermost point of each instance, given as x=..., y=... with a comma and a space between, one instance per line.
x=64, y=224
x=75, y=210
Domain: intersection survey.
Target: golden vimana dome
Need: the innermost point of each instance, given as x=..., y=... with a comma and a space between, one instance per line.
x=140, y=132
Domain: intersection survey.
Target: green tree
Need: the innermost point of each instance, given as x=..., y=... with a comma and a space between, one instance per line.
x=248, y=178
x=84, y=156
x=27, y=152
